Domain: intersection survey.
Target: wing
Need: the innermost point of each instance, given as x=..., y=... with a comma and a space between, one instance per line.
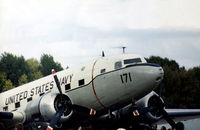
x=181, y=114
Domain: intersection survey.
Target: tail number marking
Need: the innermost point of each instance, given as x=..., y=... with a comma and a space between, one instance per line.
x=126, y=77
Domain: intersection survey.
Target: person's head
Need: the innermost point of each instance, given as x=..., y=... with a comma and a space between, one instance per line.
x=163, y=128
x=179, y=126
x=154, y=126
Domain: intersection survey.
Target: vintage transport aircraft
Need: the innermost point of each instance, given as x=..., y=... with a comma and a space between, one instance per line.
x=110, y=92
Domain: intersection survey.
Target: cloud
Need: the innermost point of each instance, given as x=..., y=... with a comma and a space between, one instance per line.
x=76, y=31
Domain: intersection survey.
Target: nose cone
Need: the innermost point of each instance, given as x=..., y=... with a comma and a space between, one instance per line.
x=154, y=74
x=159, y=74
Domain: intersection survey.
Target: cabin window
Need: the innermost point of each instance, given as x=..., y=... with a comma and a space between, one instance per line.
x=118, y=65
x=5, y=108
x=29, y=99
x=81, y=82
x=130, y=61
x=103, y=71
x=17, y=104
x=41, y=94
x=67, y=87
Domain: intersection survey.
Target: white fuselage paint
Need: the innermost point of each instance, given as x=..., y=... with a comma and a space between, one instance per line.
x=100, y=90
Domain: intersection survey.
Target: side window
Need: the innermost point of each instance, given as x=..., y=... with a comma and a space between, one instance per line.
x=67, y=87
x=81, y=82
x=29, y=99
x=5, y=108
x=118, y=65
x=41, y=94
x=17, y=104
x=103, y=71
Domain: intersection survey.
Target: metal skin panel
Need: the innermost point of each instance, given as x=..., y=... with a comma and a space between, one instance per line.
x=46, y=106
x=118, y=92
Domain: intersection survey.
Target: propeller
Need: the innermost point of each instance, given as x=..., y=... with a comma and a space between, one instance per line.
x=55, y=120
x=63, y=104
x=162, y=110
x=158, y=105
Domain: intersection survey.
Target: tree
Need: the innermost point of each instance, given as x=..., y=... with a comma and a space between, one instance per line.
x=34, y=72
x=172, y=64
x=23, y=79
x=2, y=80
x=13, y=66
x=47, y=63
x=8, y=85
x=181, y=87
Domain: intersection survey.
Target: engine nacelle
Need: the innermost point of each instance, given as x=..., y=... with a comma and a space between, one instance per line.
x=51, y=103
x=47, y=106
x=150, y=99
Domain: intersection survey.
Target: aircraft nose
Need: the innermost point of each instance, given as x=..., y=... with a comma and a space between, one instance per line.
x=155, y=74
x=160, y=74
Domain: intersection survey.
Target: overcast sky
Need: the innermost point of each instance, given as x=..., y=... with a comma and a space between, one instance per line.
x=76, y=31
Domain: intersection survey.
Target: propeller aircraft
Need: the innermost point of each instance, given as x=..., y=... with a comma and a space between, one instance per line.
x=110, y=93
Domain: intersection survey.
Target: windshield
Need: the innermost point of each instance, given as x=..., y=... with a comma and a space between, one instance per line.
x=130, y=61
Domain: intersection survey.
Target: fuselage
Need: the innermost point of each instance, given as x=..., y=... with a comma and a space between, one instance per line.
x=100, y=84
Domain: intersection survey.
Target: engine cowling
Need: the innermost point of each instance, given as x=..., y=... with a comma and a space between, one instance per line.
x=151, y=99
x=48, y=105
x=51, y=103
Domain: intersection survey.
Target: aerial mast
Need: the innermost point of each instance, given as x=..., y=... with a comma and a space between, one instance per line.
x=123, y=47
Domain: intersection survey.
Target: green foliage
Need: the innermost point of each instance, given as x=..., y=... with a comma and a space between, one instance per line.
x=15, y=71
x=13, y=66
x=34, y=72
x=8, y=85
x=172, y=64
x=181, y=88
x=2, y=80
x=23, y=79
x=47, y=63
x=36, y=75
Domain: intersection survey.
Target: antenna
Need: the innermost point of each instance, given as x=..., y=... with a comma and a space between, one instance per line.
x=123, y=47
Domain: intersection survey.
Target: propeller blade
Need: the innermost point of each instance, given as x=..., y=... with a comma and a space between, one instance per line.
x=165, y=114
x=55, y=120
x=167, y=118
x=144, y=110
x=57, y=84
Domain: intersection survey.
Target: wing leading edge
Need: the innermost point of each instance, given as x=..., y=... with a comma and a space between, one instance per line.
x=181, y=115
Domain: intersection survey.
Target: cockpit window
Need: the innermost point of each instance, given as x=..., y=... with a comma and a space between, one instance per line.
x=118, y=65
x=130, y=61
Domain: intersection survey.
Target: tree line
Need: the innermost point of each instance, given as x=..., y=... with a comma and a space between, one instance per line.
x=180, y=87
x=16, y=71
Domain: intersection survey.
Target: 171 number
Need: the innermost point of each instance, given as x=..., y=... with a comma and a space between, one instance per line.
x=126, y=77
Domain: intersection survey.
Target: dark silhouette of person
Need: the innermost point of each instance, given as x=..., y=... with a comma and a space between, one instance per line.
x=179, y=126
x=163, y=128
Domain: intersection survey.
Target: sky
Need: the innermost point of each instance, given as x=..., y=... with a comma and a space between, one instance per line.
x=76, y=31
